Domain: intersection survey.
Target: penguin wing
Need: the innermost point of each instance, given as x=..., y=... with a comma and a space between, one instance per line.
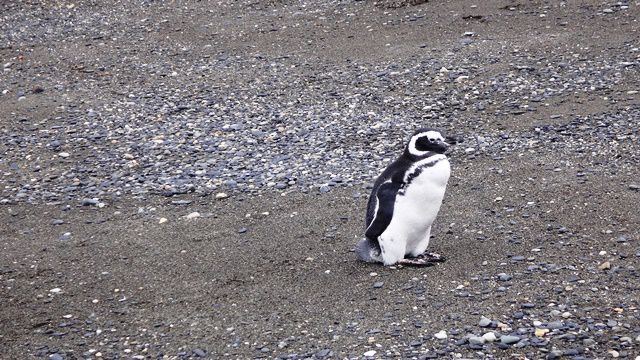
x=381, y=208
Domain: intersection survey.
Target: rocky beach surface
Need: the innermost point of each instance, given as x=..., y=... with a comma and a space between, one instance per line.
x=183, y=180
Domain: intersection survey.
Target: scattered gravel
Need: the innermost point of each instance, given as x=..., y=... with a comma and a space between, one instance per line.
x=123, y=120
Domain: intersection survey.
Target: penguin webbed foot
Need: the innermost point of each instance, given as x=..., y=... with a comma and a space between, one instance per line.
x=424, y=259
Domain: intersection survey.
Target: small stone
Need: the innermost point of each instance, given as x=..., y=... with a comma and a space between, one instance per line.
x=64, y=154
x=614, y=353
x=325, y=188
x=605, y=266
x=162, y=220
x=518, y=315
x=555, y=354
x=504, y=277
x=370, y=353
x=415, y=343
x=476, y=340
x=55, y=357
x=55, y=291
x=484, y=322
x=634, y=187
x=90, y=202
x=378, y=284
x=57, y=222
x=199, y=353
x=555, y=325
x=440, y=335
x=221, y=195
x=541, y=332
x=489, y=337
x=192, y=215
x=323, y=353
x=242, y=230
x=509, y=339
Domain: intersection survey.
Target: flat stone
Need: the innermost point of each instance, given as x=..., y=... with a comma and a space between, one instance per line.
x=199, y=353
x=484, y=322
x=509, y=339
x=440, y=335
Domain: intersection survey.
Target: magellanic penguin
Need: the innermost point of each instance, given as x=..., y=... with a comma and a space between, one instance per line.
x=404, y=203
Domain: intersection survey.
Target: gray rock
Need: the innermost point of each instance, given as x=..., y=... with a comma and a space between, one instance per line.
x=509, y=339
x=504, y=277
x=199, y=353
x=484, y=322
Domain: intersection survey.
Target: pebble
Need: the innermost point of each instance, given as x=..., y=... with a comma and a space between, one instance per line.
x=222, y=195
x=199, y=353
x=162, y=220
x=509, y=339
x=555, y=325
x=323, y=353
x=489, y=337
x=504, y=277
x=555, y=354
x=440, y=335
x=477, y=340
x=193, y=215
x=56, y=357
x=541, y=332
x=484, y=322
x=605, y=266
x=370, y=353
x=378, y=284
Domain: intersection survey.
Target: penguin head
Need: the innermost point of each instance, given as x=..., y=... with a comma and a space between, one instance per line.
x=426, y=140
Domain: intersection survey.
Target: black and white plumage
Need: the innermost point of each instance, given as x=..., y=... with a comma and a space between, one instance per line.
x=404, y=203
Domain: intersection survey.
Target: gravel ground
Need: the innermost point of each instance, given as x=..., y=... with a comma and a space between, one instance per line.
x=187, y=179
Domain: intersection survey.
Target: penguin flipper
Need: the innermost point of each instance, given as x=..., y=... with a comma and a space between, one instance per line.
x=385, y=198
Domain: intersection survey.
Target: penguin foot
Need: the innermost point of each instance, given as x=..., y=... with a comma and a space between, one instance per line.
x=425, y=259
x=414, y=261
x=434, y=257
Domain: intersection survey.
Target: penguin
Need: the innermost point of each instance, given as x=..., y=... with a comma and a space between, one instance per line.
x=404, y=203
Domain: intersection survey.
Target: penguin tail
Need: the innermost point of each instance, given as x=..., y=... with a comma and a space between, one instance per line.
x=368, y=251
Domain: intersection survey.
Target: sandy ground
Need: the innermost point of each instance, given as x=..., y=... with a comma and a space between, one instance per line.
x=258, y=276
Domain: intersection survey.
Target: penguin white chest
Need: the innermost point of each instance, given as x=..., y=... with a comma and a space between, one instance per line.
x=418, y=203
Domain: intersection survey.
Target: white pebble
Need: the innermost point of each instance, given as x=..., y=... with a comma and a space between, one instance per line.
x=440, y=335
x=221, y=195
x=55, y=291
x=64, y=154
x=489, y=337
x=162, y=220
x=193, y=215
x=370, y=353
